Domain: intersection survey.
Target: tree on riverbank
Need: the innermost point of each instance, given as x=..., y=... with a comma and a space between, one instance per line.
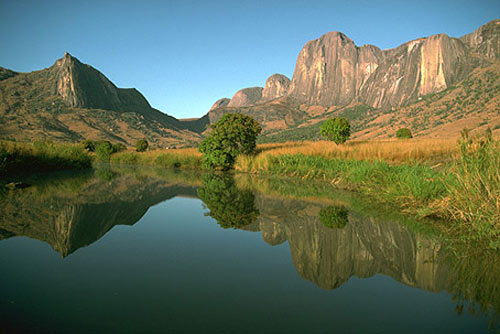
x=336, y=129
x=231, y=135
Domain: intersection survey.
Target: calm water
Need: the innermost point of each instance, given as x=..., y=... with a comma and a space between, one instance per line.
x=119, y=250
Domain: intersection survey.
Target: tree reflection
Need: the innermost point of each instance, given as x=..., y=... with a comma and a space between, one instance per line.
x=229, y=206
x=334, y=216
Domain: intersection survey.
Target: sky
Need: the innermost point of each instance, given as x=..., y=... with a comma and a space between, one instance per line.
x=184, y=55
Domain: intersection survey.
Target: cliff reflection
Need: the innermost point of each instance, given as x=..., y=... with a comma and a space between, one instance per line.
x=69, y=210
x=332, y=235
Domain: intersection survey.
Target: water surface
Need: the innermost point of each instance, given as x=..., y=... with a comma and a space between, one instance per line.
x=117, y=250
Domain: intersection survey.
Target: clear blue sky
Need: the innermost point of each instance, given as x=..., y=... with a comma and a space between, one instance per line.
x=183, y=55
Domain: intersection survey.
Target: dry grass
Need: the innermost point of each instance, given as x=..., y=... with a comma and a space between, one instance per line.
x=429, y=151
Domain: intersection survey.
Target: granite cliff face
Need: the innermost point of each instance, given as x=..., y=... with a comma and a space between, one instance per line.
x=220, y=103
x=485, y=41
x=332, y=72
x=246, y=97
x=276, y=86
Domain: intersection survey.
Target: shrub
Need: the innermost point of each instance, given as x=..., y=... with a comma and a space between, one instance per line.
x=119, y=147
x=404, y=133
x=89, y=145
x=334, y=216
x=104, y=150
x=336, y=129
x=141, y=145
x=232, y=135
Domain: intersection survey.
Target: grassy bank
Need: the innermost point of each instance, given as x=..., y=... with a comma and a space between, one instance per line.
x=176, y=158
x=459, y=183
x=21, y=159
x=420, y=177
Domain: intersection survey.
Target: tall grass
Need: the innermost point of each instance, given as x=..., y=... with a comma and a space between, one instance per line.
x=428, y=151
x=180, y=158
x=474, y=197
x=41, y=156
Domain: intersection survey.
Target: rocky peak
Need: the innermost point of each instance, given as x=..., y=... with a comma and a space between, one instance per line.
x=220, y=103
x=485, y=40
x=246, y=97
x=330, y=70
x=276, y=86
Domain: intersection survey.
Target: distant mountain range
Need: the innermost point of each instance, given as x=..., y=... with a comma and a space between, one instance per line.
x=435, y=86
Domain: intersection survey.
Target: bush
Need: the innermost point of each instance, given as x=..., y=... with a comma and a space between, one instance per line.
x=141, y=145
x=232, y=135
x=119, y=147
x=103, y=150
x=334, y=216
x=403, y=133
x=89, y=145
x=336, y=129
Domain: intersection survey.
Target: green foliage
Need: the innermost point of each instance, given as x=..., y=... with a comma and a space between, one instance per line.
x=404, y=133
x=42, y=156
x=119, y=147
x=228, y=205
x=103, y=150
x=89, y=145
x=334, y=216
x=141, y=145
x=336, y=129
x=474, y=197
x=172, y=160
x=232, y=135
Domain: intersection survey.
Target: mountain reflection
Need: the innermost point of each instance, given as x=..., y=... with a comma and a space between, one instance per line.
x=71, y=211
x=329, y=241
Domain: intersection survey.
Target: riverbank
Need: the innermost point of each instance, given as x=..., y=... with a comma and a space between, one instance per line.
x=420, y=177
x=21, y=159
x=459, y=183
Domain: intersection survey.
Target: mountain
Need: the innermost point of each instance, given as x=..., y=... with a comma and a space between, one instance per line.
x=333, y=76
x=72, y=101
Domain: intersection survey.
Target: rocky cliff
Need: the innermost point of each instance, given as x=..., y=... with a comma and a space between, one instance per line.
x=246, y=97
x=333, y=72
x=276, y=86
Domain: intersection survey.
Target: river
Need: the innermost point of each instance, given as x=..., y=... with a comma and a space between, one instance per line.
x=150, y=250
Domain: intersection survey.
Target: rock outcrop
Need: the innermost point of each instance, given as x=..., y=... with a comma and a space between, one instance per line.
x=485, y=41
x=276, y=86
x=246, y=97
x=333, y=71
x=220, y=103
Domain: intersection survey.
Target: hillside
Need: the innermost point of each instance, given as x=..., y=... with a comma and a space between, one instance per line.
x=71, y=101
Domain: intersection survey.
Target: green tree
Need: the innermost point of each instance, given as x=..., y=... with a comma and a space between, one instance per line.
x=404, y=133
x=141, y=145
x=334, y=216
x=228, y=205
x=103, y=150
x=231, y=135
x=336, y=129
